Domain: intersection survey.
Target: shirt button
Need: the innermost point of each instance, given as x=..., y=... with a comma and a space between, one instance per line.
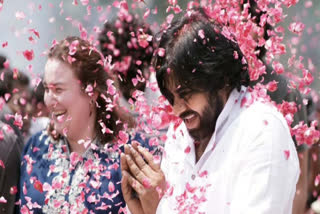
x=193, y=177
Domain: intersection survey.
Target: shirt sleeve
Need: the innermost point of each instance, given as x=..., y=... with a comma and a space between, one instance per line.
x=268, y=170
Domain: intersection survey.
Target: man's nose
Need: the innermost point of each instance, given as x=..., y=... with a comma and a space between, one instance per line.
x=179, y=107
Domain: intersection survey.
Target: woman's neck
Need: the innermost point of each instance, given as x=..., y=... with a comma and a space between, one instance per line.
x=76, y=147
x=76, y=141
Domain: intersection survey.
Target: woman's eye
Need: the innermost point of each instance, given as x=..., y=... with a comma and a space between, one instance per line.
x=59, y=90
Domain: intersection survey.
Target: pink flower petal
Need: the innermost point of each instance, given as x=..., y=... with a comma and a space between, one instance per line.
x=2, y=200
x=38, y=186
x=146, y=14
x=2, y=164
x=146, y=183
x=296, y=27
x=20, y=15
x=28, y=54
x=272, y=86
x=161, y=52
x=201, y=34
x=13, y=190
x=35, y=32
x=111, y=187
x=1, y=133
x=287, y=154
x=4, y=44
x=111, y=88
x=84, y=2
x=187, y=150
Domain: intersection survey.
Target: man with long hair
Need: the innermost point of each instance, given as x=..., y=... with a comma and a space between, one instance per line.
x=232, y=151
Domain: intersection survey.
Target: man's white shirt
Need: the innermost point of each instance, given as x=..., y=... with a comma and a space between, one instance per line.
x=250, y=165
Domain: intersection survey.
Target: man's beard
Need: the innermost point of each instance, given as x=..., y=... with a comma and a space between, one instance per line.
x=208, y=119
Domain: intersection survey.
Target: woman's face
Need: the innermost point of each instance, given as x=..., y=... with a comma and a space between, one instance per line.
x=68, y=105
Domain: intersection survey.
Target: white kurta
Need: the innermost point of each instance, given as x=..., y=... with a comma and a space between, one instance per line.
x=250, y=165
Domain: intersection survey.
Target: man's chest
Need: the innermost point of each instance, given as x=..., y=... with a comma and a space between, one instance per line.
x=208, y=182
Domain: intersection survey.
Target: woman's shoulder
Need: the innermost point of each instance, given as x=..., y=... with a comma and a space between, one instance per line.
x=38, y=141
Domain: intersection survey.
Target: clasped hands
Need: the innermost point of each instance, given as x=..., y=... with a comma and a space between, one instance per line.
x=140, y=173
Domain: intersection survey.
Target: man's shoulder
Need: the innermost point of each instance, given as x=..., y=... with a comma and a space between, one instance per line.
x=39, y=136
x=262, y=123
x=259, y=117
x=8, y=135
x=10, y=143
x=258, y=110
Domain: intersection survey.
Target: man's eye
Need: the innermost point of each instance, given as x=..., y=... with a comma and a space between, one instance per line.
x=170, y=99
x=185, y=95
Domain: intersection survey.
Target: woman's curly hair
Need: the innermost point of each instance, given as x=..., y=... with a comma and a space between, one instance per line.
x=87, y=65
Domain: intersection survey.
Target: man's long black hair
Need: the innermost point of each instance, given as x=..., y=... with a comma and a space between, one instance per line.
x=199, y=56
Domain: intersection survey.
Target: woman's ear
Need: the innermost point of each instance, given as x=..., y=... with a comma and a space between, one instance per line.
x=95, y=95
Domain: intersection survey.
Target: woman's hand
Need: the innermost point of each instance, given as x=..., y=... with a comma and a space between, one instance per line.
x=144, y=177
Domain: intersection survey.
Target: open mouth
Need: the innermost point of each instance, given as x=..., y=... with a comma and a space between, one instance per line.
x=189, y=120
x=59, y=115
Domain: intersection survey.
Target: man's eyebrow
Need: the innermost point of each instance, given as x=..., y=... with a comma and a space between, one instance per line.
x=181, y=89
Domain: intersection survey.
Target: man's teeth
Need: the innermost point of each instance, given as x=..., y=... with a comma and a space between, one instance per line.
x=189, y=117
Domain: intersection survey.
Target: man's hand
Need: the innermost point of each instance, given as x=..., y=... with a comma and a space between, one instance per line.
x=144, y=177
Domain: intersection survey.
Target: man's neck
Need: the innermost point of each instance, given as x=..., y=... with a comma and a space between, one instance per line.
x=201, y=147
x=203, y=143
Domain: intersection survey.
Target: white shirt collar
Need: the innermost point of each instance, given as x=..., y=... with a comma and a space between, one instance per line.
x=233, y=99
x=186, y=141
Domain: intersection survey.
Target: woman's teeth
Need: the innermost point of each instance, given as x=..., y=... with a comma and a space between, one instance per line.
x=60, y=115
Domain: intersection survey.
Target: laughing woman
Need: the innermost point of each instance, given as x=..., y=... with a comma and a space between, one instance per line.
x=74, y=166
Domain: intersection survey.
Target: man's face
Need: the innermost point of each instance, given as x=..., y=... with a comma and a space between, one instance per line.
x=198, y=110
x=20, y=103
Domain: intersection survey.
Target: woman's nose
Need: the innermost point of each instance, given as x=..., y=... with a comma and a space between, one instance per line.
x=50, y=99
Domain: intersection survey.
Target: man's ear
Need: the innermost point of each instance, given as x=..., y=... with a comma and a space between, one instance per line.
x=225, y=93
